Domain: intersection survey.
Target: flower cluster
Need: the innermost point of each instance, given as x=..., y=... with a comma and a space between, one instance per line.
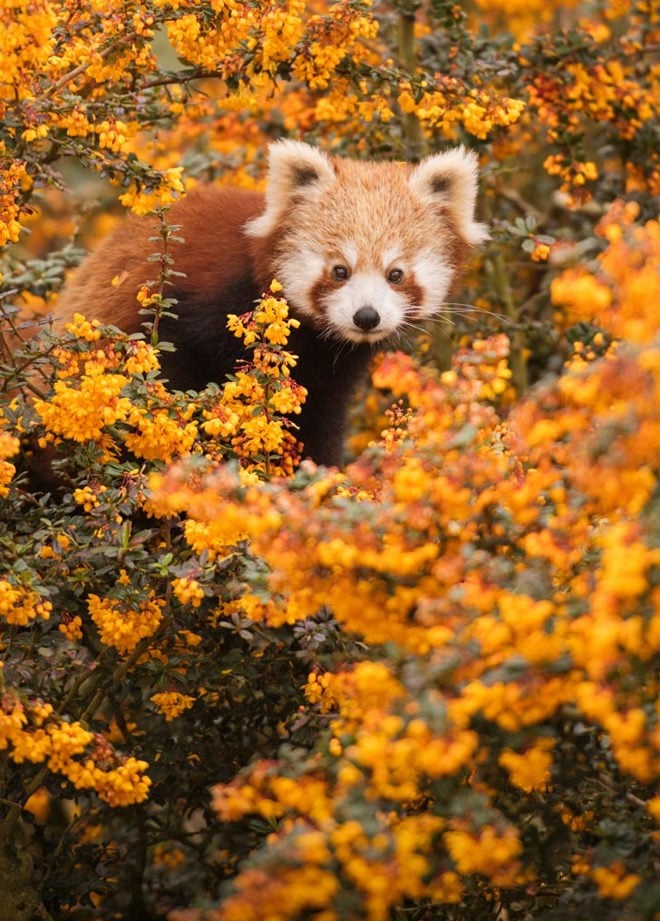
x=95, y=399
x=61, y=67
x=143, y=201
x=605, y=92
x=89, y=399
x=272, y=39
x=9, y=446
x=13, y=175
x=124, y=627
x=265, y=435
x=450, y=102
x=26, y=39
x=613, y=88
x=188, y=591
x=19, y=605
x=621, y=296
x=82, y=758
x=574, y=174
x=331, y=39
x=171, y=704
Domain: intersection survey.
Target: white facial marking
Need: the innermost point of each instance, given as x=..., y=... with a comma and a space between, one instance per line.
x=365, y=289
x=298, y=274
x=435, y=277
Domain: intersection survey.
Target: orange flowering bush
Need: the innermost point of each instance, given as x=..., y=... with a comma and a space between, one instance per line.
x=234, y=686
x=510, y=570
x=130, y=617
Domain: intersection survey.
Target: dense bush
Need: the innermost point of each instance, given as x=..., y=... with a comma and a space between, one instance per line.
x=424, y=686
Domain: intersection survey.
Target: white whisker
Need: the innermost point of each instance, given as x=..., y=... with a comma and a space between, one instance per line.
x=465, y=309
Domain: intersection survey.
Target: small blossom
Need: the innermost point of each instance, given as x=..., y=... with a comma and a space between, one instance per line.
x=171, y=704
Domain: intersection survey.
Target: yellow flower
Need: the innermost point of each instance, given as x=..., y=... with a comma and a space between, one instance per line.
x=66, y=740
x=157, y=435
x=87, y=497
x=123, y=627
x=489, y=852
x=9, y=446
x=171, y=704
x=540, y=252
x=71, y=627
x=613, y=882
x=188, y=591
x=12, y=720
x=142, y=358
x=19, y=605
x=124, y=785
x=529, y=770
x=82, y=412
x=12, y=179
x=143, y=202
x=84, y=329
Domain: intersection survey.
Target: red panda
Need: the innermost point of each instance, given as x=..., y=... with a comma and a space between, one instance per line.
x=362, y=249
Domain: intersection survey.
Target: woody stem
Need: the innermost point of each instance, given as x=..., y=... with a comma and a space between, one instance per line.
x=412, y=129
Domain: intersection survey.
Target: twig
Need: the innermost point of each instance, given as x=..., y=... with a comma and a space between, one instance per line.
x=81, y=68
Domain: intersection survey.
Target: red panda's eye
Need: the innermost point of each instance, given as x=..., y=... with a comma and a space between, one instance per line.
x=395, y=276
x=340, y=272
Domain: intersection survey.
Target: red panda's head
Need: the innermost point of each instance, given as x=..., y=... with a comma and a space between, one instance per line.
x=363, y=248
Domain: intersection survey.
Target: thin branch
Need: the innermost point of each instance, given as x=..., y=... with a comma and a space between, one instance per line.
x=181, y=77
x=81, y=68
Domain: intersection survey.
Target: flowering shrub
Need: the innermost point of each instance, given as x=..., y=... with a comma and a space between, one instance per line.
x=235, y=686
x=134, y=629
x=511, y=569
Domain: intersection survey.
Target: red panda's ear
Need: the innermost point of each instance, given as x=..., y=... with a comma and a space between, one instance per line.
x=449, y=181
x=296, y=171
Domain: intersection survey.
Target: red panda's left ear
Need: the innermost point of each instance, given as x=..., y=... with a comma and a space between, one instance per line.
x=449, y=181
x=296, y=171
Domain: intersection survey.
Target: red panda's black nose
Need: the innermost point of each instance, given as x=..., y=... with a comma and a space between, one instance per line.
x=366, y=318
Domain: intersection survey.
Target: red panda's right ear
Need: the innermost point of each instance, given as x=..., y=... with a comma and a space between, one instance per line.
x=296, y=171
x=448, y=182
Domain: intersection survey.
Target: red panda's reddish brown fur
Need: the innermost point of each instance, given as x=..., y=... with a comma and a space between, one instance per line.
x=213, y=253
